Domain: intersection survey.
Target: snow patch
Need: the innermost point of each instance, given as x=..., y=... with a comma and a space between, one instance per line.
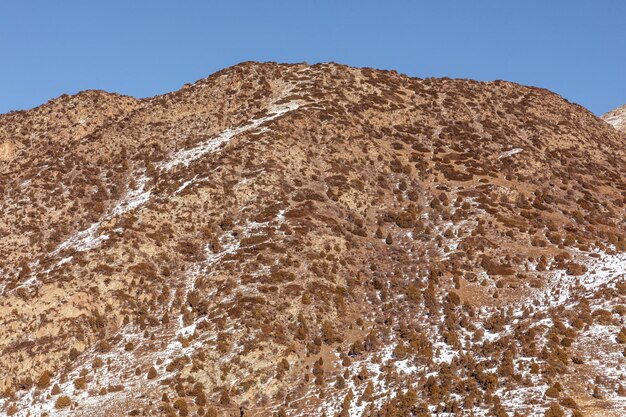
x=134, y=198
x=140, y=194
x=511, y=152
x=84, y=240
x=617, y=119
x=186, y=156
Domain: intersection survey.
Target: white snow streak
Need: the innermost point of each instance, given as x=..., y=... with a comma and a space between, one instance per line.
x=617, y=120
x=186, y=156
x=135, y=197
x=140, y=194
x=511, y=152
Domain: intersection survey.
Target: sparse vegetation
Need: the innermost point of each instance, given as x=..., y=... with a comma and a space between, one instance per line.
x=393, y=243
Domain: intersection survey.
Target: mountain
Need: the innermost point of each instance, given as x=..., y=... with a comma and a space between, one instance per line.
x=298, y=240
x=617, y=118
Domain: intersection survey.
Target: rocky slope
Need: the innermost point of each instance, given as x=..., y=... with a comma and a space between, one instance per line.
x=617, y=118
x=299, y=240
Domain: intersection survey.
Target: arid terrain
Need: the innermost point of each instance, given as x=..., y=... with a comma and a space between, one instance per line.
x=295, y=240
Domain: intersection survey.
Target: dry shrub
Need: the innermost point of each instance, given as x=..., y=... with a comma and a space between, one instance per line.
x=62, y=402
x=181, y=405
x=44, y=380
x=575, y=269
x=552, y=392
x=554, y=411
x=569, y=403
x=80, y=383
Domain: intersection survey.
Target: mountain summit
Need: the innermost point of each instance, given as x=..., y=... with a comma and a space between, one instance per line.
x=294, y=240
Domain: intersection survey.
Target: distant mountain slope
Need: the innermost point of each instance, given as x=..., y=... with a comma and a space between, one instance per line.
x=313, y=240
x=617, y=118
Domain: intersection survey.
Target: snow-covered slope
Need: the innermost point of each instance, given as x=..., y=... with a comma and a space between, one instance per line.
x=616, y=118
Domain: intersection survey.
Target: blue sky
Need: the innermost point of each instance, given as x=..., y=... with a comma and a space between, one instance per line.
x=143, y=48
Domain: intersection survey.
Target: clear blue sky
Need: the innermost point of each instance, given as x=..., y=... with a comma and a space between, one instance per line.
x=143, y=48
